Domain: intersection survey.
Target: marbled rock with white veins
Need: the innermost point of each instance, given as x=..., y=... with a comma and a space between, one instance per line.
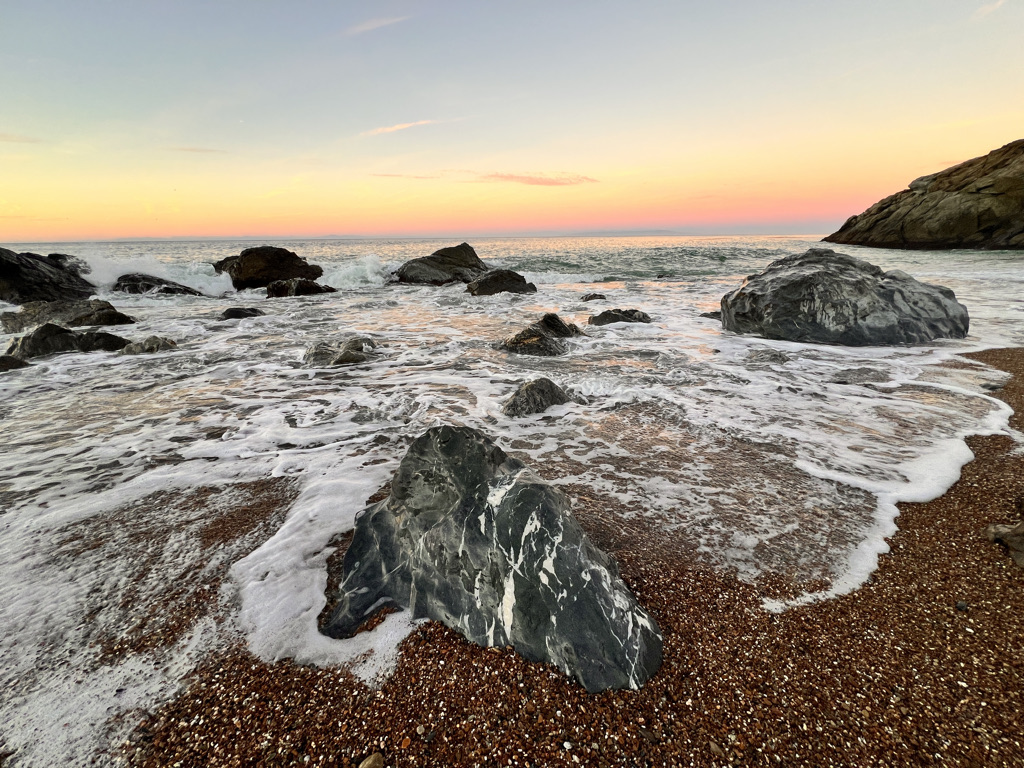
x=474, y=539
x=358, y=349
x=830, y=298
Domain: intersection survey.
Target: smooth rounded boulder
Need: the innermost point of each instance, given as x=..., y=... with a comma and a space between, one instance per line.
x=500, y=281
x=138, y=283
x=542, y=338
x=260, y=266
x=536, y=396
x=826, y=297
x=239, y=313
x=474, y=539
x=458, y=263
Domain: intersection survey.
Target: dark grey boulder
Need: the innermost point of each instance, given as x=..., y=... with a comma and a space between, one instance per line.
x=151, y=345
x=619, y=316
x=28, y=277
x=1011, y=535
x=260, y=266
x=10, y=363
x=458, y=263
x=50, y=339
x=543, y=338
x=67, y=313
x=830, y=298
x=297, y=286
x=136, y=282
x=474, y=539
x=500, y=281
x=714, y=315
x=593, y=297
x=536, y=396
x=358, y=349
x=237, y=313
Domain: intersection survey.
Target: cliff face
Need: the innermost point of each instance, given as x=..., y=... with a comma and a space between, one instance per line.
x=976, y=204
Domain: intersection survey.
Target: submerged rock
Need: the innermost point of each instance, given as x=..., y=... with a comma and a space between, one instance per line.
x=237, y=313
x=976, y=204
x=297, y=286
x=136, y=282
x=67, y=313
x=500, y=281
x=543, y=337
x=348, y=352
x=826, y=297
x=619, y=316
x=536, y=396
x=447, y=265
x=28, y=277
x=149, y=346
x=10, y=363
x=593, y=297
x=472, y=538
x=260, y=266
x=50, y=339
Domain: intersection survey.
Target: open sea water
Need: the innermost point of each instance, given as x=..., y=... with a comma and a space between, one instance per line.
x=760, y=457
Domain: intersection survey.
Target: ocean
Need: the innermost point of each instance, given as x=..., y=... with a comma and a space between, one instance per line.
x=763, y=458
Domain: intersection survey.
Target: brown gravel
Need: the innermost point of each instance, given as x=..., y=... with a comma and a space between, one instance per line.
x=893, y=674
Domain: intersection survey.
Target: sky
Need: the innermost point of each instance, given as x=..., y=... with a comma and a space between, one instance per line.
x=253, y=118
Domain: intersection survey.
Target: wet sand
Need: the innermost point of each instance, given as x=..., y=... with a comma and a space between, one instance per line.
x=923, y=665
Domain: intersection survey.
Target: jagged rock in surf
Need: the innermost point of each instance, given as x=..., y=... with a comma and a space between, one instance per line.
x=474, y=539
x=500, y=281
x=447, y=265
x=593, y=297
x=976, y=204
x=297, y=286
x=136, y=282
x=619, y=316
x=358, y=349
x=237, y=313
x=151, y=345
x=10, y=363
x=28, y=277
x=67, y=313
x=536, y=396
x=50, y=339
x=830, y=298
x=543, y=338
x=260, y=266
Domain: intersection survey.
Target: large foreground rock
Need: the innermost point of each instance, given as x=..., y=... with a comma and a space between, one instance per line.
x=472, y=538
x=52, y=339
x=297, y=286
x=543, y=337
x=28, y=277
x=67, y=313
x=448, y=265
x=536, y=396
x=831, y=298
x=136, y=282
x=260, y=266
x=500, y=281
x=976, y=204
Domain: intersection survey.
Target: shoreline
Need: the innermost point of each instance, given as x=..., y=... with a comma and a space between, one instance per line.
x=918, y=666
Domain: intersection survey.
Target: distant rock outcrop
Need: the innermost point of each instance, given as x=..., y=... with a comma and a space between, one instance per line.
x=830, y=298
x=67, y=313
x=500, y=281
x=297, y=286
x=976, y=204
x=448, y=265
x=472, y=538
x=610, y=316
x=28, y=277
x=136, y=282
x=260, y=266
x=536, y=396
x=543, y=337
x=52, y=339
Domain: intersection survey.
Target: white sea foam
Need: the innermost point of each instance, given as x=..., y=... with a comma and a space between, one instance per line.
x=762, y=462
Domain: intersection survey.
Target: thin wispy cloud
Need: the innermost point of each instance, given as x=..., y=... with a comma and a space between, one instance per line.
x=372, y=24
x=989, y=8
x=17, y=138
x=199, y=150
x=394, y=128
x=403, y=176
x=540, y=180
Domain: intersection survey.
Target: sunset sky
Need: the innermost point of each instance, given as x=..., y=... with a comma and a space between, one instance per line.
x=138, y=118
